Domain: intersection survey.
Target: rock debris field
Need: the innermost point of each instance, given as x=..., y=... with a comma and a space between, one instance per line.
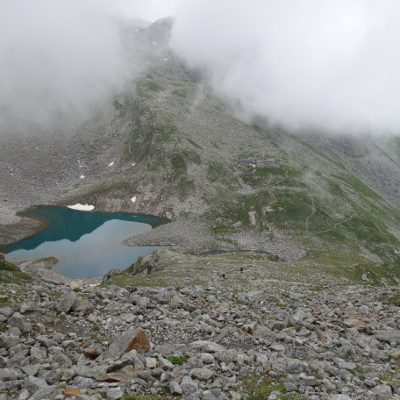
x=287, y=341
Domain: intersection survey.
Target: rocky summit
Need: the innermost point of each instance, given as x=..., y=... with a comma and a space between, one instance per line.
x=288, y=340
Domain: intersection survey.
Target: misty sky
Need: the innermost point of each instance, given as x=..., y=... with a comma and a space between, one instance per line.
x=326, y=64
x=322, y=64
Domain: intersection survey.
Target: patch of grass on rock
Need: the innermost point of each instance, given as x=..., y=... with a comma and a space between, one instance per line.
x=177, y=360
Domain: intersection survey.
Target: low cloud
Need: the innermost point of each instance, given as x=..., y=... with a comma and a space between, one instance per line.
x=306, y=64
x=59, y=59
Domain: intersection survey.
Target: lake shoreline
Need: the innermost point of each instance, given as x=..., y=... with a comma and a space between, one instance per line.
x=87, y=244
x=16, y=225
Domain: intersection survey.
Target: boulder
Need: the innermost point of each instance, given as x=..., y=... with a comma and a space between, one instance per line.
x=19, y=321
x=65, y=302
x=392, y=336
x=174, y=388
x=134, y=339
x=202, y=374
x=82, y=305
x=208, y=346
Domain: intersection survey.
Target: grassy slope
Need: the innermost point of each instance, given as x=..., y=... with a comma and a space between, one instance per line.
x=187, y=145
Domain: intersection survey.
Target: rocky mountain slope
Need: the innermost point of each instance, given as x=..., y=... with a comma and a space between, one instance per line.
x=244, y=337
x=282, y=271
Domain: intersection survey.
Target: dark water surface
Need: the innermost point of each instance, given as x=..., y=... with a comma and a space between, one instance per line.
x=87, y=244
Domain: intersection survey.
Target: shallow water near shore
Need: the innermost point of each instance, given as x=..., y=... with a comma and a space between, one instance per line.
x=87, y=244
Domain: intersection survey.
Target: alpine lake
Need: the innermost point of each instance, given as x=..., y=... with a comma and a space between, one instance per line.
x=86, y=244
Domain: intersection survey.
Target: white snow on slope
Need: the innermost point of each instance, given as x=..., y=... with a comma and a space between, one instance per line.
x=82, y=207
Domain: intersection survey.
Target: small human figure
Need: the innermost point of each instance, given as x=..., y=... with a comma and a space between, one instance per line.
x=223, y=276
x=241, y=270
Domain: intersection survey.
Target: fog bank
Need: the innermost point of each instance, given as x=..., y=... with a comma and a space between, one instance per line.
x=59, y=59
x=307, y=64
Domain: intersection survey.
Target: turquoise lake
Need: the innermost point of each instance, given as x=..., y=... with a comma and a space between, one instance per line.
x=87, y=244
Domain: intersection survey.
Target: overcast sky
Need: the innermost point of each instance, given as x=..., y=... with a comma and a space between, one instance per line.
x=150, y=9
x=322, y=64
x=325, y=64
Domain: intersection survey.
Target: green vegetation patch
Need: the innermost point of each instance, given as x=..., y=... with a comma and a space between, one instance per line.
x=260, y=387
x=177, y=360
x=9, y=273
x=218, y=172
x=178, y=164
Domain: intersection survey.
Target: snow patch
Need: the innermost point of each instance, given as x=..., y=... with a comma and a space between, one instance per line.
x=133, y=199
x=82, y=177
x=82, y=207
x=111, y=164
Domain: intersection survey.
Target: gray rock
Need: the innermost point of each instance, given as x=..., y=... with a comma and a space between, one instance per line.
x=62, y=359
x=22, y=395
x=295, y=366
x=165, y=364
x=208, y=346
x=277, y=347
x=45, y=393
x=134, y=339
x=262, y=332
x=392, y=336
x=9, y=374
x=114, y=393
x=207, y=358
x=82, y=382
x=31, y=370
x=275, y=395
x=150, y=362
x=8, y=341
x=188, y=385
x=202, y=374
x=26, y=306
x=20, y=322
x=88, y=371
x=175, y=389
x=38, y=352
x=65, y=302
x=130, y=358
x=383, y=391
x=339, y=397
x=6, y=311
x=34, y=384
x=299, y=316
x=82, y=305
x=252, y=296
